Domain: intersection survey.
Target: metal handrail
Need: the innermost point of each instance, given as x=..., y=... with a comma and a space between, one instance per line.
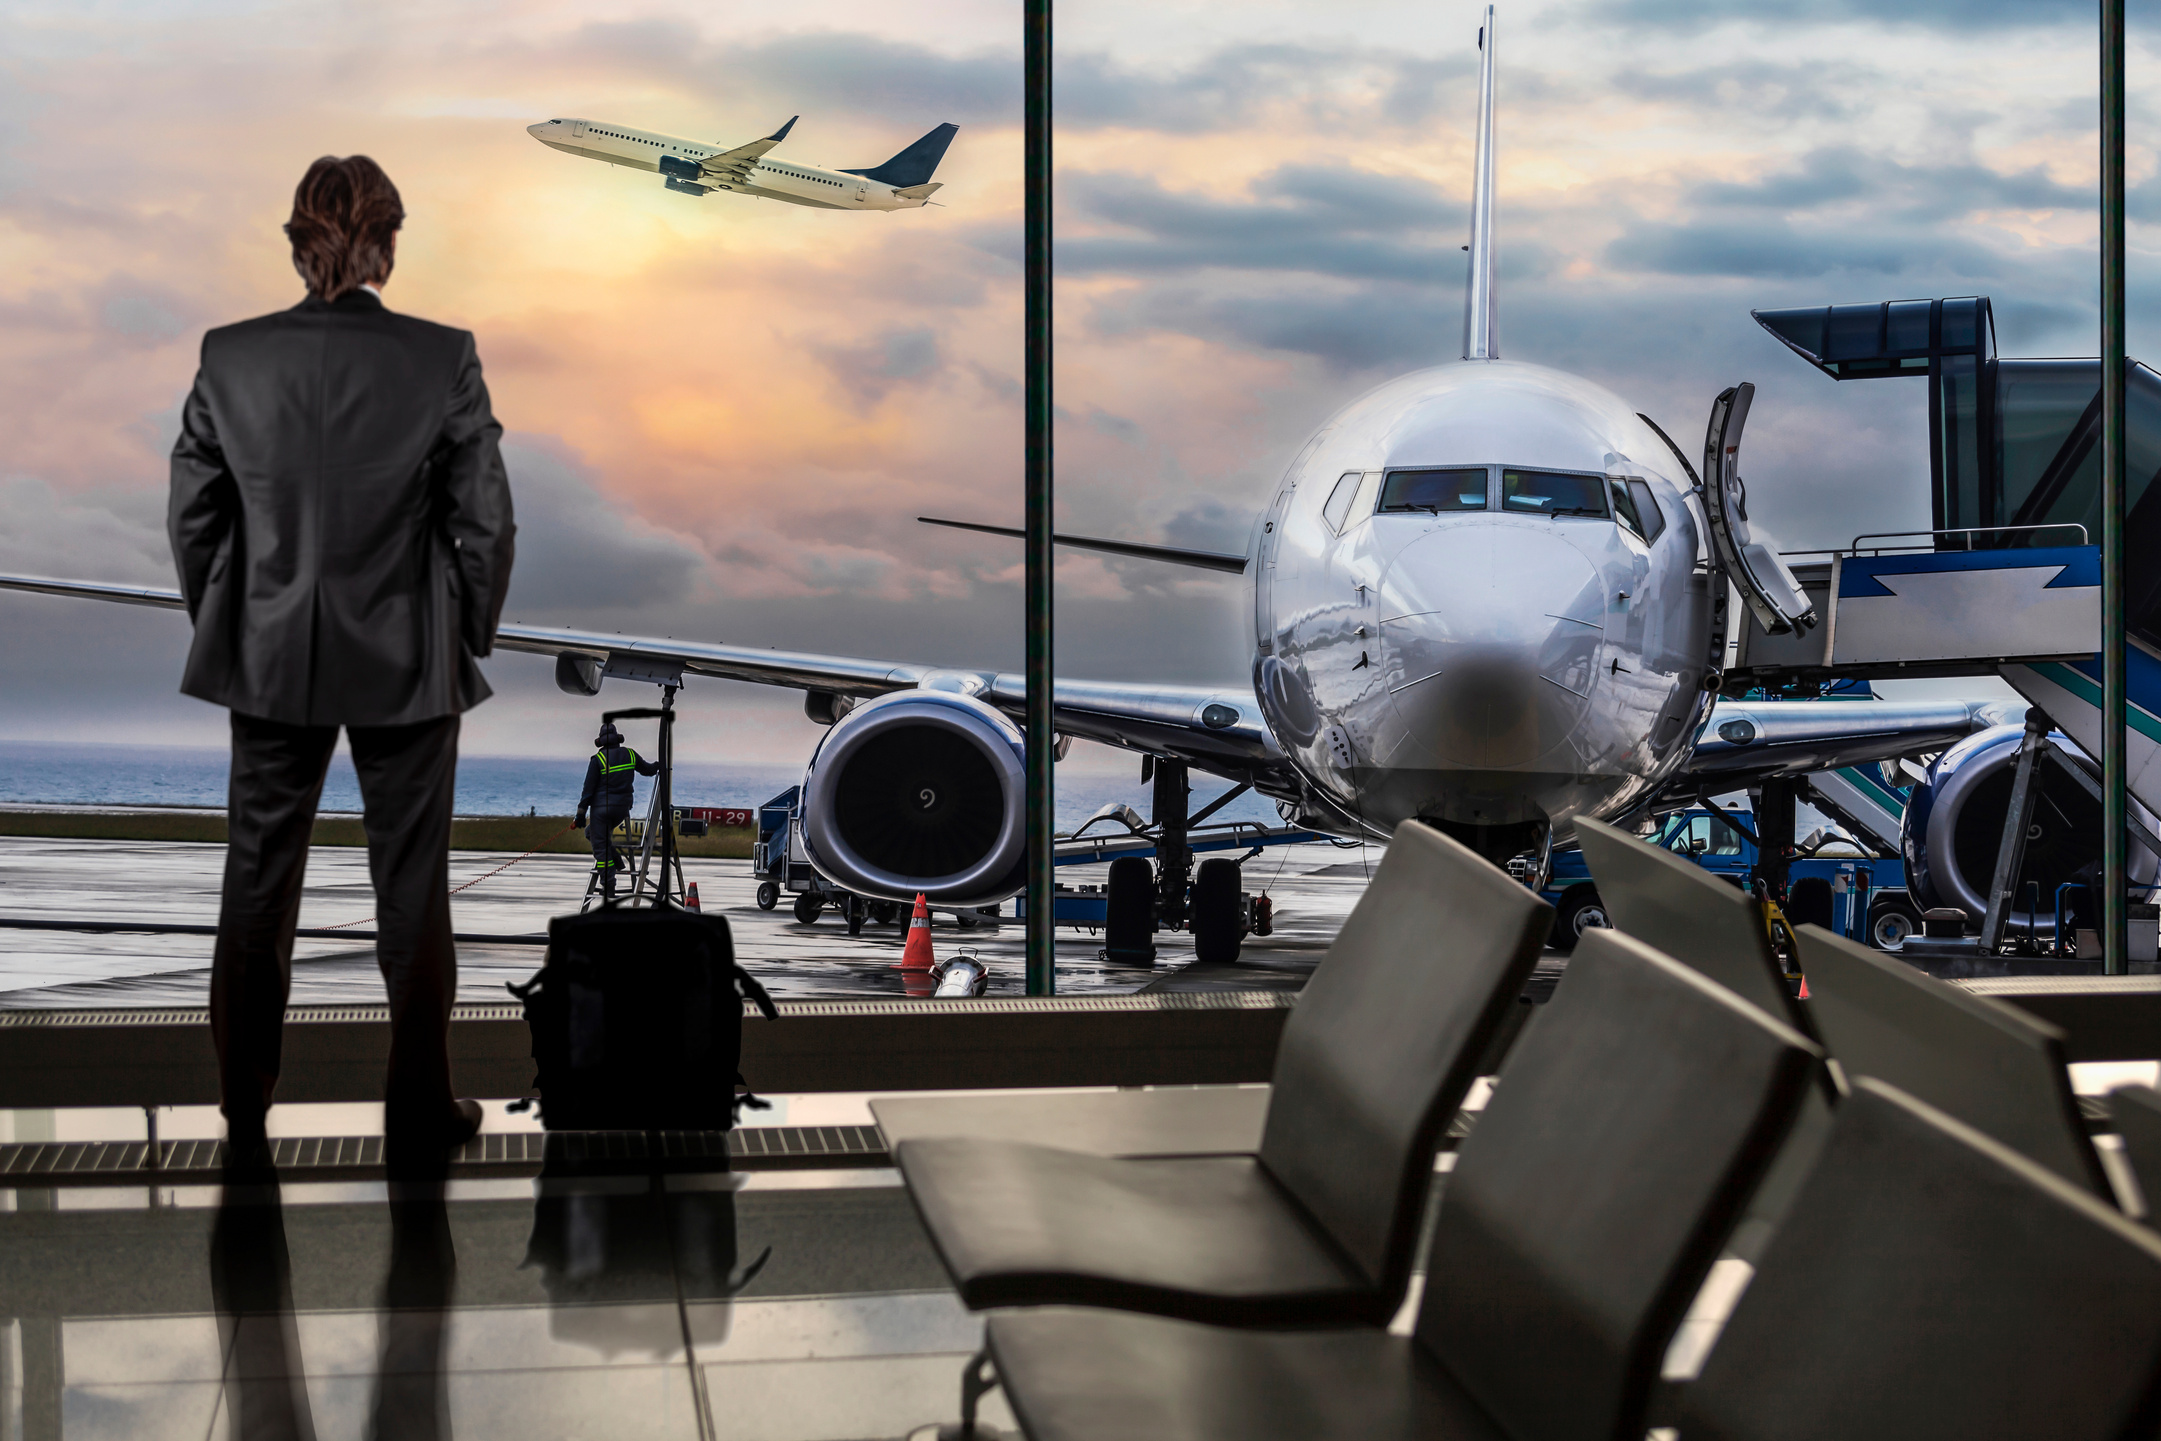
x=1855, y=548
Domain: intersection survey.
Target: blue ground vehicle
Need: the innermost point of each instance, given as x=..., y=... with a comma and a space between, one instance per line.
x=1827, y=890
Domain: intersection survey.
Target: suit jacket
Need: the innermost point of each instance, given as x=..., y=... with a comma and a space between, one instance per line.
x=340, y=517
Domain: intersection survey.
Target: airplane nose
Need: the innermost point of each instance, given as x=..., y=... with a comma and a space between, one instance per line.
x=1490, y=633
x=539, y=131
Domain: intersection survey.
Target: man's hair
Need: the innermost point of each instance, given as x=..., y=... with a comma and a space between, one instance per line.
x=344, y=229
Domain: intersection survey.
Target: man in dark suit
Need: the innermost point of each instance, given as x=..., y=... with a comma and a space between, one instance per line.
x=342, y=525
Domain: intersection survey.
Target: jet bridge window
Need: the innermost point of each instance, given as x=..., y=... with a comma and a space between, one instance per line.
x=1434, y=490
x=1552, y=492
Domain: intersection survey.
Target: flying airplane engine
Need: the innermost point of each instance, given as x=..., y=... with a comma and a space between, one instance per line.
x=1954, y=825
x=919, y=791
x=1477, y=604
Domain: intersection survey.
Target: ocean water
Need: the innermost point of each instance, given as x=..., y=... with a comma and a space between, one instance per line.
x=46, y=773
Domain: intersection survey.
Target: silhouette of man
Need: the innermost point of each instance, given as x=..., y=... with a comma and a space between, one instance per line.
x=342, y=526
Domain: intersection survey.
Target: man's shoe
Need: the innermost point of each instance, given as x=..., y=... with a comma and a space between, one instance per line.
x=467, y=1124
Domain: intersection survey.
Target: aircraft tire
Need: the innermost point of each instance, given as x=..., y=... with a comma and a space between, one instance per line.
x=807, y=907
x=768, y=895
x=1580, y=909
x=1215, y=912
x=1129, y=914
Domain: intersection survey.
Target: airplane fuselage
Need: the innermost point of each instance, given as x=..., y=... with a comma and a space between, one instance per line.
x=1478, y=602
x=769, y=179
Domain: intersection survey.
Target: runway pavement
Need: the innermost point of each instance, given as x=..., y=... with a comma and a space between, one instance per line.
x=154, y=882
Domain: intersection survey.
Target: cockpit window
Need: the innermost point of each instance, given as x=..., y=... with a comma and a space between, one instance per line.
x=1647, y=511
x=1550, y=492
x=1339, y=499
x=1435, y=490
x=1624, y=507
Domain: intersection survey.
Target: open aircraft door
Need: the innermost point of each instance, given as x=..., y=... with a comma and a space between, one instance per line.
x=1772, y=594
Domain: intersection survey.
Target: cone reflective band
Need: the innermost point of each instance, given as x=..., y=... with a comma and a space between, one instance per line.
x=916, y=956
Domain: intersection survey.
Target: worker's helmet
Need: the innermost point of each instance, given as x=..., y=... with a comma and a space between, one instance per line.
x=609, y=735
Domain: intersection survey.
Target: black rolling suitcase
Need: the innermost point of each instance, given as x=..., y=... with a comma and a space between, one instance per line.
x=637, y=1021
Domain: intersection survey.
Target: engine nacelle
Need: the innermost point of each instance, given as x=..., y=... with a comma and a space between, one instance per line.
x=919, y=791
x=1954, y=825
x=579, y=674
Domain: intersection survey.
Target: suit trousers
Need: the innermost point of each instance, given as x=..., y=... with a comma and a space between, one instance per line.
x=407, y=775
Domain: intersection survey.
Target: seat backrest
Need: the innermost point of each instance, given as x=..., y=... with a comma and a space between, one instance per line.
x=1678, y=907
x=1633, y=1119
x=2136, y=1111
x=1932, y=1283
x=1978, y=1059
x=1386, y=1038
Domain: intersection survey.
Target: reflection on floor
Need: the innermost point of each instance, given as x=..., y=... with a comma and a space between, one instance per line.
x=778, y=1305
x=1313, y=888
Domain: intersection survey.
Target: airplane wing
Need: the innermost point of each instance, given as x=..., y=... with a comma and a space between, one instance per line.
x=1748, y=741
x=733, y=166
x=1217, y=730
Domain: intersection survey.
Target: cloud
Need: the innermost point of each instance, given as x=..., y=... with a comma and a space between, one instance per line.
x=1952, y=15
x=582, y=555
x=870, y=371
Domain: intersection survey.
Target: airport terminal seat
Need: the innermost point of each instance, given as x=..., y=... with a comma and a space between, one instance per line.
x=1319, y=1225
x=1580, y=1219
x=1984, y=1062
x=1682, y=909
x=2136, y=1114
x=1932, y=1283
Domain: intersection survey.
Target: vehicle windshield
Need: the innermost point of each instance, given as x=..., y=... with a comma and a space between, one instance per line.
x=1435, y=490
x=1705, y=835
x=1549, y=492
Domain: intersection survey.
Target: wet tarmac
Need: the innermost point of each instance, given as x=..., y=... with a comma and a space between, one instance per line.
x=1313, y=888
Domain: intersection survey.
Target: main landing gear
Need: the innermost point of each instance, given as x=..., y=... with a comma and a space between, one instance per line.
x=1210, y=902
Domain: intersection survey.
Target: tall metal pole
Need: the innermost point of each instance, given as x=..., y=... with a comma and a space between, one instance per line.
x=2114, y=815
x=1042, y=784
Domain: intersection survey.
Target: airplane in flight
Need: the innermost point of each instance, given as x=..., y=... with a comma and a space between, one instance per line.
x=1488, y=595
x=692, y=168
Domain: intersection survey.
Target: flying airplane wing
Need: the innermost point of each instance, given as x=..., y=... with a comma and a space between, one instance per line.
x=732, y=167
x=1219, y=731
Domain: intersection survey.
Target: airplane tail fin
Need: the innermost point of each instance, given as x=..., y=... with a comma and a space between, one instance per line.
x=916, y=164
x=1481, y=301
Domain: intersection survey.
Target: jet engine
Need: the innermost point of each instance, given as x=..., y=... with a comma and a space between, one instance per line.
x=919, y=791
x=1954, y=825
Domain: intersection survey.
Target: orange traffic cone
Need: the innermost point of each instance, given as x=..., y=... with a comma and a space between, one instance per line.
x=1804, y=988
x=690, y=899
x=916, y=956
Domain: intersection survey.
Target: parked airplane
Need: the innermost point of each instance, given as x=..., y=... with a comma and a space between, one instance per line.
x=1488, y=594
x=691, y=168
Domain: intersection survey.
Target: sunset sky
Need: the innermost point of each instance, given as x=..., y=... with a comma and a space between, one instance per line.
x=722, y=415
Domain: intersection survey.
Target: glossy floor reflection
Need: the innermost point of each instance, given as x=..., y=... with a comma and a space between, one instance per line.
x=779, y=1305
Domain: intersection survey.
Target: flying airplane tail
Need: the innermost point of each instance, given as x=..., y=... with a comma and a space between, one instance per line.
x=918, y=192
x=916, y=164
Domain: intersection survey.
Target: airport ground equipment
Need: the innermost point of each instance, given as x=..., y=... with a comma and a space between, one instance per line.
x=1988, y=1064
x=1524, y=1282
x=659, y=877
x=1856, y=894
x=1322, y=1223
x=2055, y=1334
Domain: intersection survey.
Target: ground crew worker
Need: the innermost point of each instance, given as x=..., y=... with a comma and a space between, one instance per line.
x=605, y=803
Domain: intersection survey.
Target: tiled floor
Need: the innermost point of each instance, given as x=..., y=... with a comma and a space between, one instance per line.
x=1313, y=888
x=781, y=1305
